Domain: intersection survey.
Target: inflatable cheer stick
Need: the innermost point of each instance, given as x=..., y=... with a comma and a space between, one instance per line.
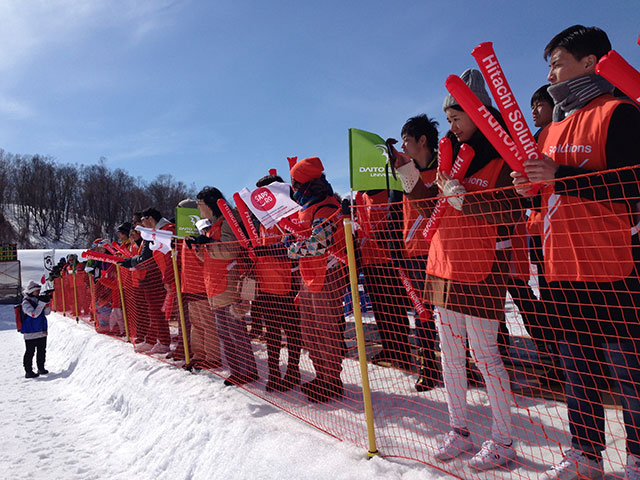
x=290, y=227
x=423, y=313
x=445, y=155
x=122, y=250
x=110, y=249
x=457, y=172
x=485, y=121
x=506, y=101
x=103, y=257
x=235, y=226
x=245, y=216
x=616, y=69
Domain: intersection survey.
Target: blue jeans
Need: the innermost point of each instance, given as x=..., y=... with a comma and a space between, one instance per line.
x=584, y=367
x=236, y=343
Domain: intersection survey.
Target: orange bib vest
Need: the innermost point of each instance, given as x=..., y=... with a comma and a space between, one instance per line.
x=375, y=211
x=274, y=273
x=313, y=270
x=584, y=240
x=415, y=245
x=463, y=247
x=215, y=270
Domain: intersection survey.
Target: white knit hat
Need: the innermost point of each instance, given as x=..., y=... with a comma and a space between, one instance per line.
x=32, y=287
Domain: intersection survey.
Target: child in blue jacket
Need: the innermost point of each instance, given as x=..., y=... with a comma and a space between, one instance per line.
x=34, y=328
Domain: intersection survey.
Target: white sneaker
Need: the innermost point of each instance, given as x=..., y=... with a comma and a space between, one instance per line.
x=632, y=470
x=453, y=445
x=492, y=455
x=575, y=465
x=160, y=348
x=143, y=347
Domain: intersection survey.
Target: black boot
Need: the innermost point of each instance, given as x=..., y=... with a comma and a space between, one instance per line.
x=31, y=374
x=292, y=378
x=428, y=373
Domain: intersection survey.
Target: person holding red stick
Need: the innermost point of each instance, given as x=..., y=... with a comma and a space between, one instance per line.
x=466, y=270
x=590, y=243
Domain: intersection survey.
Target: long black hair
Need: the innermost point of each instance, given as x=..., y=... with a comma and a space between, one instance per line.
x=485, y=152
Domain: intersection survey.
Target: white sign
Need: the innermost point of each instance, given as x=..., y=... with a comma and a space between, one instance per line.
x=270, y=203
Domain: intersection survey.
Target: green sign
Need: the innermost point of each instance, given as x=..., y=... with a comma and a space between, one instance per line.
x=368, y=162
x=186, y=219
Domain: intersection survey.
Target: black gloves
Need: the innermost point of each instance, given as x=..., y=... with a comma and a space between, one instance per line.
x=199, y=240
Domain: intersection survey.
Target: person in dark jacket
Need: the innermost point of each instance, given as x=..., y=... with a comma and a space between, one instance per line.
x=34, y=328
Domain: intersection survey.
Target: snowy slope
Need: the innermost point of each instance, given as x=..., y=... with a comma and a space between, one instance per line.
x=106, y=412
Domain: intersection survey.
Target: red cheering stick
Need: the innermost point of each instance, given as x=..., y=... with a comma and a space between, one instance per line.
x=465, y=155
x=485, y=121
x=290, y=227
x=122, y=250
x=110, y=249
x=103, y=257
x=235, y=226
x=445, y=155
x=616, y=69
x=245, y=215
x=506, y=101
x=421, y=311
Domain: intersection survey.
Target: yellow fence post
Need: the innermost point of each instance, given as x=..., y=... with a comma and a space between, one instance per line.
x=75, y=296
x=93, y=307
x=124, y=310
x=176, y=275
x=362, y=354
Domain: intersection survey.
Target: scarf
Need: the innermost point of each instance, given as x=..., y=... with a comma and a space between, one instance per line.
x=313, y=192
x=572, y=95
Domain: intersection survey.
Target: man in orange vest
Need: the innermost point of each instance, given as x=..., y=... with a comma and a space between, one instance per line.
x=323, y=278
x=591, y=247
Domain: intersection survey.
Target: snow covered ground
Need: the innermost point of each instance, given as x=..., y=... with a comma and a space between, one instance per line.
x=105, y=412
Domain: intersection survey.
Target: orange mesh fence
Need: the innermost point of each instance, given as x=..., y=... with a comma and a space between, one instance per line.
x=517, y=323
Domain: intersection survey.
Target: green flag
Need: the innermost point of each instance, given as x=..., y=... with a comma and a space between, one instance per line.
x=367, y=162
x=186, y=219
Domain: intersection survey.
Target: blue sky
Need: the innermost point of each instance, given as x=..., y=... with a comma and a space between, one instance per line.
x=218, y=92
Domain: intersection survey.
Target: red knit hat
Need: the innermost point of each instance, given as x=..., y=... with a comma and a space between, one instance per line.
x=307, y=169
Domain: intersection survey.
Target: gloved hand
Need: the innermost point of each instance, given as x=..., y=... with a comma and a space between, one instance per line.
x=46, y=298
x=199, y=240
x=453, y=187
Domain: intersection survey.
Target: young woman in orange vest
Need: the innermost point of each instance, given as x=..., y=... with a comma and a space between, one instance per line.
x=323, y=278
x=275, y=305
x=221, y=256
x=466, y=268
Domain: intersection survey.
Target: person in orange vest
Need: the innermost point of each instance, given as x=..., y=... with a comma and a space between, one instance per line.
x=419, y=140
x=466, y=268
x=274, y=304
x=321, y=255
x=157, y=283
x=223, y=265
x=590, y=243
x=204, y=344
x=389, y=299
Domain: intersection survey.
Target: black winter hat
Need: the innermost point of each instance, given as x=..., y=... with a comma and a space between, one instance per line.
x=125, y=228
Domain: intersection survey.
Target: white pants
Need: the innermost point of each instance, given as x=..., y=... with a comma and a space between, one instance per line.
x=453, y=329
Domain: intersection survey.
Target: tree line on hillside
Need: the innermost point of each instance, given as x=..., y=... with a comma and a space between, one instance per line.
x=94, y=199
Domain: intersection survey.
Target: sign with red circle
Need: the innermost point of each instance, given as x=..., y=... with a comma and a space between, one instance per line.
x=262, y=199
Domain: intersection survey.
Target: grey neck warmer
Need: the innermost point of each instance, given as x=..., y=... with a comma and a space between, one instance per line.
x=574, y=94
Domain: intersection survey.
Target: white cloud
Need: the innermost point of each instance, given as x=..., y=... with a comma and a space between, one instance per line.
x=10, y=107
x=34, y=27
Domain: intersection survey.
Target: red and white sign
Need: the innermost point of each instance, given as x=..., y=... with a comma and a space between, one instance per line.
x=270, y=203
